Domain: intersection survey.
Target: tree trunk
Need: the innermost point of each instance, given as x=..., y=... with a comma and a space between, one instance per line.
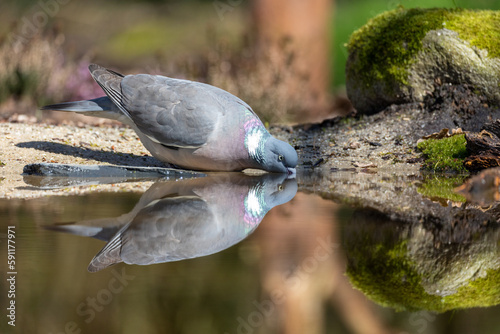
x=301, y=28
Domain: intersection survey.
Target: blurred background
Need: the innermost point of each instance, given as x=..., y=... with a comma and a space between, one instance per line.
x=285, y=58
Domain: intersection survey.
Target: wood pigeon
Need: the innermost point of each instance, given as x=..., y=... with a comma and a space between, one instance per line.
x=189, y=124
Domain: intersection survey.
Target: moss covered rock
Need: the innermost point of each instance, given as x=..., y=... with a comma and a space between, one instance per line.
x=401, y=55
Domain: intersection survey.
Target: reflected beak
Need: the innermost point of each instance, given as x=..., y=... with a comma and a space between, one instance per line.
x=291, y=173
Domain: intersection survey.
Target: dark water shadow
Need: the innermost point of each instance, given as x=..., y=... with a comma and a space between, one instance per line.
x=88, y=153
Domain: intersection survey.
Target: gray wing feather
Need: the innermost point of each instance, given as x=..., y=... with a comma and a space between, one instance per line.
x=169, y=111
x=110, y=84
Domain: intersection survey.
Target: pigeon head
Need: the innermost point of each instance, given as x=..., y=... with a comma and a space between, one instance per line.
x=278, y=189
x=266, y=192
x=279, y=157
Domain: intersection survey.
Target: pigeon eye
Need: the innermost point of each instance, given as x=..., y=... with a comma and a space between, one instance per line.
x=280, y=187
x=280, y=157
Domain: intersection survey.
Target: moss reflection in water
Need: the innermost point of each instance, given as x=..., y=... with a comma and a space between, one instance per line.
x=441, y=187
x=398, y=266
x=377, y=265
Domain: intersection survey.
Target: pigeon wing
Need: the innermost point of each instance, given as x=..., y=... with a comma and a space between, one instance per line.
x=110, y=83
x=171, y=112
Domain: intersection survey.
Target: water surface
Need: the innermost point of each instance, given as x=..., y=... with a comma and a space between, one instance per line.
x=308, y=265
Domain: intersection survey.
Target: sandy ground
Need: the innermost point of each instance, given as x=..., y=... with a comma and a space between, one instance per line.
x=23, y=144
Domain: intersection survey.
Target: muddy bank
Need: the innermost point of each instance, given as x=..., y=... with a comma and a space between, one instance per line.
x=372, y=163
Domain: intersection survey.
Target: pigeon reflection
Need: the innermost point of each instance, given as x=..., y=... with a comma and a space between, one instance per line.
x=186, y=219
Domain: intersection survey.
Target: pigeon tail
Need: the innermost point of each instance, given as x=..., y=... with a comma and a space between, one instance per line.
x=110, y=254
x=99, y=107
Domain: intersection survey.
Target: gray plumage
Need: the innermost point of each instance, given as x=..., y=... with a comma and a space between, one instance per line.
x=186, y=123
x=186, y=219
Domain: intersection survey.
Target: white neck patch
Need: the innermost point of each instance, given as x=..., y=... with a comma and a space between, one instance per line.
x=255, y=139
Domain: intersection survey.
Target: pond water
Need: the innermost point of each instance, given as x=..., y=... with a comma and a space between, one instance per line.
x=236, y=254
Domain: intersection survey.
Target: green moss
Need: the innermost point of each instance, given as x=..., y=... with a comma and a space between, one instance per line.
x=387, y=44
x=382, y=269
x=482, y=292
x=439, y=187
x=444, y=155
x=384, y=274
x=480, y=28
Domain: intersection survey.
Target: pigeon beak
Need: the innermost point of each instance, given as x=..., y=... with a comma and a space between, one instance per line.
x=291, y=173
